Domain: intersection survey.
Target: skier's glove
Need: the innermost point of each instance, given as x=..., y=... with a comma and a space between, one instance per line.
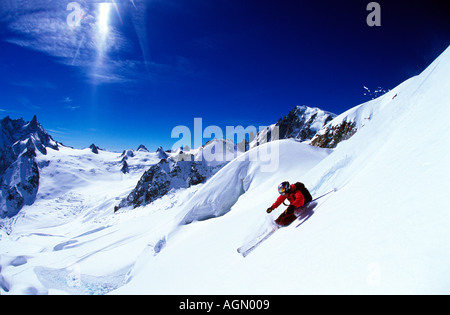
x=269, y=210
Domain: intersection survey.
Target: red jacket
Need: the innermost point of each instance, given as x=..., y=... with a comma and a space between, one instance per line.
x=295, y=197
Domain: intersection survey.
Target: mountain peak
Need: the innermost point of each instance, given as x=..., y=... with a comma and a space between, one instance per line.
x=142, y=148
x=161, y=153
x=94, y=148
x=15, y=131
x=33, y=123
x=303, y=122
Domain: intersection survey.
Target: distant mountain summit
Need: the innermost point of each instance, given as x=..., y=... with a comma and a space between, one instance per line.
x=162, y=177
x=15, y=130
x=301, y=124
x=19, y=173
x=183, y=169
x=142, y=148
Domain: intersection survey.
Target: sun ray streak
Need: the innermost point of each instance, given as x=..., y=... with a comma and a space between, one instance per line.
x=103, y=30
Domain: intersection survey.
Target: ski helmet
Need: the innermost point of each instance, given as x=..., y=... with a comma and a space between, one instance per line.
x=284, y=188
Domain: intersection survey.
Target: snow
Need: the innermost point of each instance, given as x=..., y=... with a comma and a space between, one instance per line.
x=384, y=231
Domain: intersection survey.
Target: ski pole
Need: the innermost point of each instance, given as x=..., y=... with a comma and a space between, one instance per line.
x=324, y=195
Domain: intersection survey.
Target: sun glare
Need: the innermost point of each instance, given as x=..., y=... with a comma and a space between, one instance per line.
x=102, y=39
x=103, y=17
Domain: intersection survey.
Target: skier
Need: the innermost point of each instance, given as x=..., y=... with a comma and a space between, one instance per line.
x=297, y=194
x=301, y=207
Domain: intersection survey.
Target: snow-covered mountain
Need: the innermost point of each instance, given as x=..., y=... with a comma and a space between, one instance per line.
x=20, y=141
x=301, y=124
x=379, y=233
x=24, y=147
x=180, y=169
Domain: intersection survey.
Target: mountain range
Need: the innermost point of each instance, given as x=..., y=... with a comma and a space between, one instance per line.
x=19, y=171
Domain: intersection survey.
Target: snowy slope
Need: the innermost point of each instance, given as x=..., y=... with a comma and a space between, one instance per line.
x=257, y=170
x=345, y=125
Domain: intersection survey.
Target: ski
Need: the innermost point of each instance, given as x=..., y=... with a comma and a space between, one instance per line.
x=245, y=251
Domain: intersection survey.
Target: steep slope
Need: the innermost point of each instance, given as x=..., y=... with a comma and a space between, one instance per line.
x=380, y=233
x=236, y=197
x=345, y=125
x=389, y=222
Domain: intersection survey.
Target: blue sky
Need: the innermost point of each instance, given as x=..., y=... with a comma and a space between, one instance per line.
x=132, y=70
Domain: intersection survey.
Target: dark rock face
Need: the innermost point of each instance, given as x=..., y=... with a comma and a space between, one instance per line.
x=154, y=183
x=331, y=136
x=19, y=173
x=161, y=153
x=142, y=148
x=162, y=177
x=125, y=169
x=94, y=148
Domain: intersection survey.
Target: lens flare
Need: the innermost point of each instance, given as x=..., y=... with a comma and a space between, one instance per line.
x=103, y=18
